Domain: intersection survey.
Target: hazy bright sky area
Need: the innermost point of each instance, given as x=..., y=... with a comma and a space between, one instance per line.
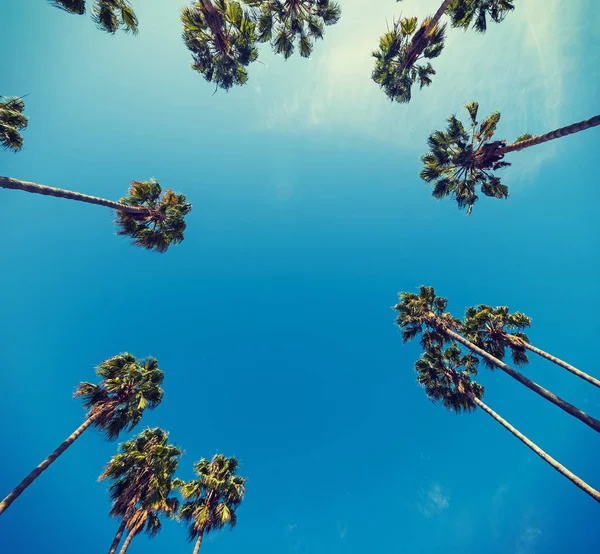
x=273, y=320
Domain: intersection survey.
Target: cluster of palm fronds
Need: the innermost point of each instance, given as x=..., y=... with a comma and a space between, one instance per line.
x=142, y=473
x=453, y=348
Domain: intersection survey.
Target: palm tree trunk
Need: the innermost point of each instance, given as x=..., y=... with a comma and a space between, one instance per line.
x=546, y=457
x=15, y=184
x=558, y=133
x=438, y=15
x=545, y=393
x=117, y=539
x=198, y=543
x=215, y=22
x=128, y=540
x=17, y=491
x=421, y=37
x=562, y=364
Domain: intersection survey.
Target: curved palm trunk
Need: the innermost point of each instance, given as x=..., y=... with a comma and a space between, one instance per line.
x=215, y=22
x=419, y=41
x=128, y=540
x=18, y=490
x=560, y=363
x=15, y=184
x=117, y=539
x=197, y=545
x=441, y=10
x=545, y=393
x=558, y=133
x=546, y=457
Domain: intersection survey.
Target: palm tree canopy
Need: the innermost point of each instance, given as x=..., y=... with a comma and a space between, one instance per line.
x=163, y=225
x=461, y=160
x=396, y=68
x=425, y=314
x=285, y=22
x=128, y=387
x=213, y=498
x=141, y=476
x=446, y=376
x=495, y=329
x=221, y=39
x=12, y=121
x=108, y=15
x=476, y=12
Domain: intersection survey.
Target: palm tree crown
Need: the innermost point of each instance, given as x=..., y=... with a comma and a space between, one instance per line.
x=128, y=387
x=400, y=49
x=213, y=498
x=460, y=161
x=162, y=225
x=476, y=12
x=283, y=22
x=495, y=329
x=108, y=15
x=446, y=377
x=12, y=121
x=221, y=38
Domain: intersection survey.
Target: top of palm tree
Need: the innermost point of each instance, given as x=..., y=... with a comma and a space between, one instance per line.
x=495, y=329
x=12, y=121
x=396, y=68
x=141, y=475
x=446, y=376
x=221, y=38
x=425, y=314
x=128, y=387
x=162, y=225
x=284, y=22
x=214, y=497
x=465, y=13
x=109, y=15
x=461, y=160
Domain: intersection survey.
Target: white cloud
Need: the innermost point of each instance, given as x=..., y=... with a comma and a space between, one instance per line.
x=342, y=530
x=528, y=540
x=433, y=501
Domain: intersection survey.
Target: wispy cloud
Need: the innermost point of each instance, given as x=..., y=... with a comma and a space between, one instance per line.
x=528, y=540
x=433, y=501
x=342, y=530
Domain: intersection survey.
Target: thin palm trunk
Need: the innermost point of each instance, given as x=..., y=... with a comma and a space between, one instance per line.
x=546, y=457
x=215, y=22
x=18, y=490
x=441, y=10
x=15, y=184
x=561, y=363
x=558, y=133
x=421, y=37
x=198, y=543
x=545, y=393
x=117, y=539
x=128, y=540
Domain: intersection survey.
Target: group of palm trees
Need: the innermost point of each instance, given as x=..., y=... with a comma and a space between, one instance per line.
x=143, y=485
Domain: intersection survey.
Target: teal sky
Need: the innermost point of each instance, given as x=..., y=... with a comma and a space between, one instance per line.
x=273, y=320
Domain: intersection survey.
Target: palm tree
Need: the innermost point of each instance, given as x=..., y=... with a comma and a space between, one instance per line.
x=12, y=121
x=284, y=22
x=108, y=15
x=466, y=12
x=461, y=160
x=153, y=221
x=142, y=480
x=495, y=329
x=117, y=403
x=447, y=377
x=425, y=314
x=213, y=498
x=220, y=36
x=396, y=68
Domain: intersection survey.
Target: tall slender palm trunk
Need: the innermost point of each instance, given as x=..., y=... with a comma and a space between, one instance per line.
x=198, y=543
x=15, y=184
x=558, y=133
x=546, y=457
x=441, y=10
x=215, y=22
x=545, y=393
x=421, y=37
x=18, y=490
x=117, y=539
x=127, y=542
x=561, y=363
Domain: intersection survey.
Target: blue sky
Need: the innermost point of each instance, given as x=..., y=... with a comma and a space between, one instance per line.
x=273, y=320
